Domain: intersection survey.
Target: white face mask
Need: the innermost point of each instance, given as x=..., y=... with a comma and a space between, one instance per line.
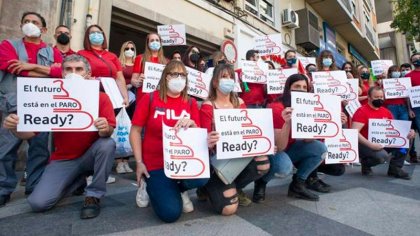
x=129, y=53
x=176, y=85
x=31, y=30
x=73, y=76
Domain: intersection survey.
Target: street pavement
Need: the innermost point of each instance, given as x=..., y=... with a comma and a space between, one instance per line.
x=357, y=205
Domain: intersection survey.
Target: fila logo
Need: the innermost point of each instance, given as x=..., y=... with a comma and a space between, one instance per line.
x=170, y=114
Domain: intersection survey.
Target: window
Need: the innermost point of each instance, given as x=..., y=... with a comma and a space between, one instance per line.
x=262, y=9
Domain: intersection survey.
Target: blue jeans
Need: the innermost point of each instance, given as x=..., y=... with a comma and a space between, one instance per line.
x=38, y=156
x=280, y=165
x=399, y=112
x=417, y=118
x=165, y=194
x=306, y=156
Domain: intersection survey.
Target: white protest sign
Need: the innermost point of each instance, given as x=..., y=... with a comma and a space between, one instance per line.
x=277, y=78
x=57, y=104
x=253, y=72
x=331, y=82
x=381, y=66
x=315, y=116
x=307, y=60
x=244, y=132
x=415, y=96
x=152, y=75
x=343, y=148
x=353, y=93
x=198, y=83
x=389, y=133
x=112, y=90
x=352, y=107
x=172, y=34
x=268, y=44
x=185, y=153
x=396, y=88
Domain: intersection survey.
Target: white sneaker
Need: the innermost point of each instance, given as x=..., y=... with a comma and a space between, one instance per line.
x=120, y=168
x=187, y=205
x=110, y=180
x=89, y=180
x=142, y=198
x=127, y=168
x=406, y=163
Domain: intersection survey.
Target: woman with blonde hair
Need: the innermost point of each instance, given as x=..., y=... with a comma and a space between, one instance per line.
x=153, y=52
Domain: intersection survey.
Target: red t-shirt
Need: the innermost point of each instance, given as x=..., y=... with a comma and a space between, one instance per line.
x=206, y=116
x=128, y=72
x=365, y=89
x=366, y=112
x=138, y=68
x=415, y=77
x=256, y=93
x=8, y=52
x=64, y=54
x=72, y=145
x=278, y=121
x=150, y=117
x=99, y=68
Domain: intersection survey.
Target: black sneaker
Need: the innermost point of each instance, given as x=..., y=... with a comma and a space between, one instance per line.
x=4, y=199
x=91, y=208
x=398, y=173
x=414, y=160
x=318, y=185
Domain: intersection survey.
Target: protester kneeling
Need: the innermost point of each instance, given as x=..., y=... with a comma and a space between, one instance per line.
x=223, y=194
x=372, y=154
x=172, y=106
x=75, y=155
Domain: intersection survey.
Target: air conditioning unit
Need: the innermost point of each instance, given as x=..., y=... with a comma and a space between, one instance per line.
x=307, y=36
x=290, y=19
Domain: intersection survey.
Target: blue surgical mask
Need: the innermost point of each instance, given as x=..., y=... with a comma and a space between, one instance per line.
x=96, y=38
x=154, y=46
x=327, y=62
x=404, y=73
x=226, y=85
x=395, y=74
x=291, y=61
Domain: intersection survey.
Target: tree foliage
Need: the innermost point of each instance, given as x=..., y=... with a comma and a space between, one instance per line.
x=407, y=18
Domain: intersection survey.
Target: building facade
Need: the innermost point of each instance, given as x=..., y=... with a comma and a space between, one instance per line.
x=346, y=27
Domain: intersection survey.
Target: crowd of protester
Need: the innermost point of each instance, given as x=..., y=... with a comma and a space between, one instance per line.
x=59, y=163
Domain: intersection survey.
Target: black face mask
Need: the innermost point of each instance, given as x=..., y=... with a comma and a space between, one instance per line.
x=377, y=103
x=63, y=39
x=365, y=75
x=194, y=57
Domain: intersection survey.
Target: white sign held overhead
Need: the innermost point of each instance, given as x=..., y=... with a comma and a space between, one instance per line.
x=268, y=44
x=172, y=34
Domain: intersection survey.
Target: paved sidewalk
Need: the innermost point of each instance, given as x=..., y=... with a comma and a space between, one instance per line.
x=357, y=205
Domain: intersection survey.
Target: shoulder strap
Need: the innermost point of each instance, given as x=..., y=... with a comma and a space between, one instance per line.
x=108, y=65
x=20, y=49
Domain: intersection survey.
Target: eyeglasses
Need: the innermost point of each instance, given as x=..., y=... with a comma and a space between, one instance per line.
x=131, y=49
x=177, y=74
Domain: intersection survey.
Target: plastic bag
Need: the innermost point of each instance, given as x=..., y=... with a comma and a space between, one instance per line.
x=121, y=135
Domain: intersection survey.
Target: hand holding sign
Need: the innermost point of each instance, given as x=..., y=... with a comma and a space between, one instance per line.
x=244, y=132
x=185, y=153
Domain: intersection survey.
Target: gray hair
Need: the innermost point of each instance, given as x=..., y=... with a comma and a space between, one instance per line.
x=77, y=58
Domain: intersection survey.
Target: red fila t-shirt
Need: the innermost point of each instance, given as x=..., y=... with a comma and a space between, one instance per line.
x=366, y=112
x=138, y=68
x=150, y=117
x=99, y=68
x=278, y=121
x=72, y=145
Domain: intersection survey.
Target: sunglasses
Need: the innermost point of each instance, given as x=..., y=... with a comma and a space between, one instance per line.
x=176, y=74
x=131, y=49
